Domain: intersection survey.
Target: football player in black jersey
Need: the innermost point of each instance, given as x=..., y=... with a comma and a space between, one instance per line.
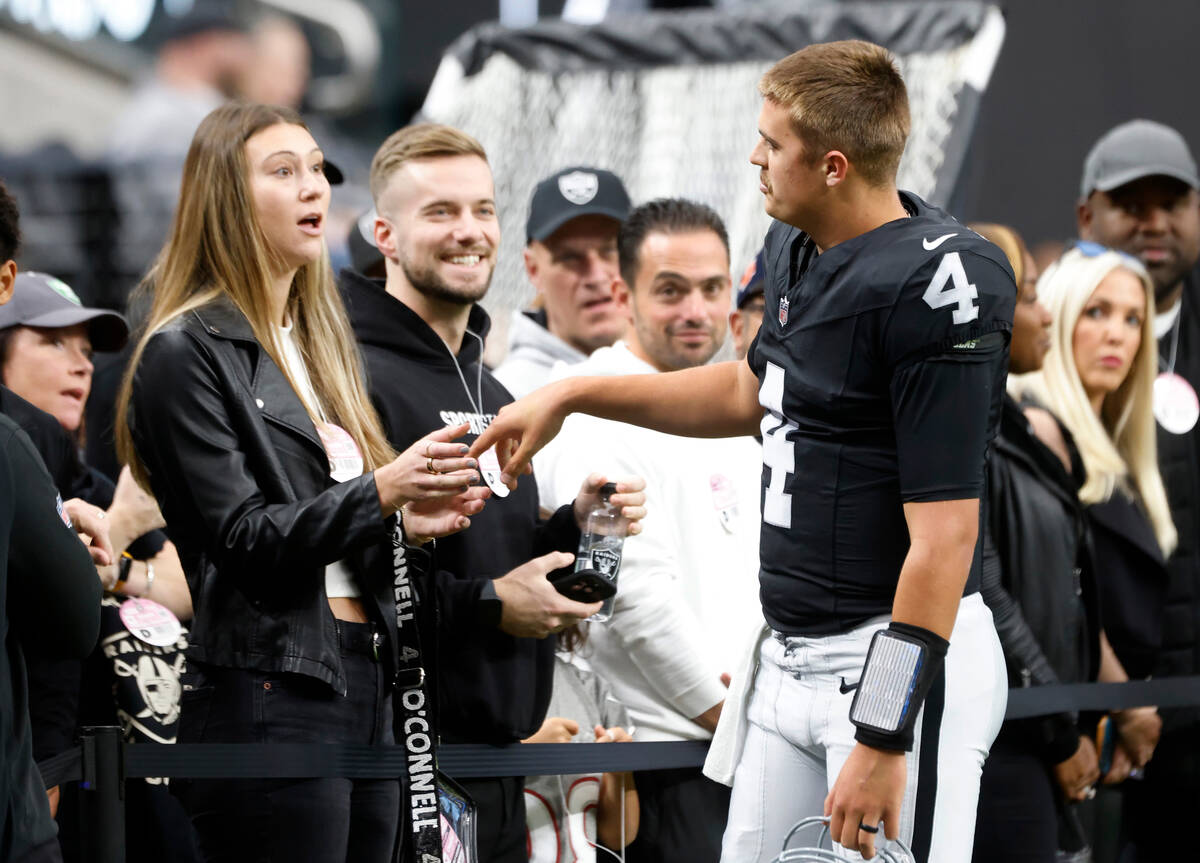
x=875, y=382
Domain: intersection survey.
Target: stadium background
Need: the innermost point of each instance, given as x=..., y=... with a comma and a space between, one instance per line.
x=1065, y=73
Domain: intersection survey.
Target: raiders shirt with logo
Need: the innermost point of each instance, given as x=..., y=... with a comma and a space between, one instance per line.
x=881, y=365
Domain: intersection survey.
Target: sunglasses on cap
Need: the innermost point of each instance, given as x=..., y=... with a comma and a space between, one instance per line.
x=1090, y=249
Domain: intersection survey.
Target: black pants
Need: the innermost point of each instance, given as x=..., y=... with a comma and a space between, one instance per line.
x=683, y=815
x=268, y=820
x=1018, y=811
x=500, y=803
x=1157, y=808
x=47, y=852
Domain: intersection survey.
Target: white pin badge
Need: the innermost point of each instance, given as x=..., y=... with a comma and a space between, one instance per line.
x=1175, y=404
x=150, y=622
x=725, y=500
x=489, y=469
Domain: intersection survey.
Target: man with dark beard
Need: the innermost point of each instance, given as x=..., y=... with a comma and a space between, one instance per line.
x=421, y=333
x=1140, y=195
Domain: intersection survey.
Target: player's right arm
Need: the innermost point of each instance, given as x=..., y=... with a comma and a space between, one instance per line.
x=719, y=400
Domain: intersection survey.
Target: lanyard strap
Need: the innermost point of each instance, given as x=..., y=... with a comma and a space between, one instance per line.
x=419, y=736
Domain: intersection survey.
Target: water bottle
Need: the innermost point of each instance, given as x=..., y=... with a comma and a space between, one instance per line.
x=600, y=544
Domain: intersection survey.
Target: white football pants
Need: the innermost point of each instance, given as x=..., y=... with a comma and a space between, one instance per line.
x=799, y=734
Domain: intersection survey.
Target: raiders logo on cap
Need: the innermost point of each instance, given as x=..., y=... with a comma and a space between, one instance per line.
x=579, y=187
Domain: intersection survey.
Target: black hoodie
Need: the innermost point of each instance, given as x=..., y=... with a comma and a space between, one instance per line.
x=493, y=688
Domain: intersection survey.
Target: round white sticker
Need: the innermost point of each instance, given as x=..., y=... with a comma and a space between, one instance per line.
x=150, y=622
x=1175, y=404
x=489, y=469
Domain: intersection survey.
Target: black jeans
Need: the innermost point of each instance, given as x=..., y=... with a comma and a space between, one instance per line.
x=500, y=803
x=1018, y=808
x=683, y=815
x=268, y=820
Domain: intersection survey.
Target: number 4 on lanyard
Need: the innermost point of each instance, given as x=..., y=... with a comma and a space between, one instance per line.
x=440, y=816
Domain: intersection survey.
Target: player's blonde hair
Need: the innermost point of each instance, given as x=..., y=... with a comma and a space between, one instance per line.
x=1118, y=447
x=845, y=96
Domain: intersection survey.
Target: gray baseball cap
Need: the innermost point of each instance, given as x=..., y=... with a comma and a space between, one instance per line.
x=1139, y=148
x=39, y=300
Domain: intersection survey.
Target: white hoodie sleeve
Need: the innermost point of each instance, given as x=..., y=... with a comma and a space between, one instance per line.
x=652, y=618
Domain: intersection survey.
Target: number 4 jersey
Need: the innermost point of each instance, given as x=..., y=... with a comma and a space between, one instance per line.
x=881, y=365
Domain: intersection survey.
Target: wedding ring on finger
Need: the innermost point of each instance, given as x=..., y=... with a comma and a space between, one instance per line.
x=429, y=466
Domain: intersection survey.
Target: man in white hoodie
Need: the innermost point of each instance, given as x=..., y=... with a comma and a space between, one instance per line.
x=571, y=261
x=688, y=586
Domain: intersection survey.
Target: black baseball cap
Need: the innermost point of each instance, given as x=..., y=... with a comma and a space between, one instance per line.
x=575, y=192
x=365, y=256
x=39, y=300
x=753, y=280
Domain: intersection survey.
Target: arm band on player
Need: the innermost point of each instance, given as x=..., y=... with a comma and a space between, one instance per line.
x=902, y=663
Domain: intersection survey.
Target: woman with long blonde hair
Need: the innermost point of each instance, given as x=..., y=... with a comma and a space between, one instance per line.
x=244, y=412
x=1098, y=379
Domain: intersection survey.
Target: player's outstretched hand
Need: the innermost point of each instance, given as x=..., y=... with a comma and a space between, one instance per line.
x=630, y=497
x=869, y=790
x=522, y=428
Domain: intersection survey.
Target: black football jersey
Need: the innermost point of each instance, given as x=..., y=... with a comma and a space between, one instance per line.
x=881, y=365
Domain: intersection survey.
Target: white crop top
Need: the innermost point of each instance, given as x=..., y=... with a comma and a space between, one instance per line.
x=338, y=581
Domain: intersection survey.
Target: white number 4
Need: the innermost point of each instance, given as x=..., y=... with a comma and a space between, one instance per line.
x=960, y=293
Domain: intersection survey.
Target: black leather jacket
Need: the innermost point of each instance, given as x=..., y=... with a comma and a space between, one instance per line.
x=1041, y=593
x=243, y=482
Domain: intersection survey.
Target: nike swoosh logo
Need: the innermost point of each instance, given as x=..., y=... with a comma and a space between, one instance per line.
x=930, y=246
x=844, y=687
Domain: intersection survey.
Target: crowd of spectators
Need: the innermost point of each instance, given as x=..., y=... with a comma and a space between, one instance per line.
x=292, y=477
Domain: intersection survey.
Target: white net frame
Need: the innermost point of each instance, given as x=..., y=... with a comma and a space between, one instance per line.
x=674, y=131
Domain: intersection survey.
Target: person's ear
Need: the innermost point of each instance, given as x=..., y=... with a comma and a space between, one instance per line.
x=1083, y=218
x=8, y=276
x=385, y=238
x=836, y=167
x=623, y=297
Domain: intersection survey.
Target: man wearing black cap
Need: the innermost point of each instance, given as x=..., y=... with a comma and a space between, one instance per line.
x=747, y=314
x=1139, y=195
x=571, y=261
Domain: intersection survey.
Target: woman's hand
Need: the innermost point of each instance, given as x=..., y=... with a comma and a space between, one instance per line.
x=1077, y=776
x=133, y=512
x=1139, y=727
x=428, y=519
x=430, y=469
x=1122, y=764
x=90, y=524
x=630, y=496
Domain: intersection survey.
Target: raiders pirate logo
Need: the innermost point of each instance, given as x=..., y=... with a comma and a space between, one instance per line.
x=579, y=187
x=606, y=561
x=783, y=311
